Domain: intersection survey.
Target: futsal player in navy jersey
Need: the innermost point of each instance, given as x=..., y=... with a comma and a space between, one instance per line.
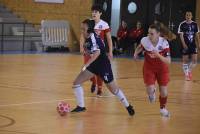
x=188, y=31
x=98, y=64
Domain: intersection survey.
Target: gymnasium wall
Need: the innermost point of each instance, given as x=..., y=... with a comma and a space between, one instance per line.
x=72, y=10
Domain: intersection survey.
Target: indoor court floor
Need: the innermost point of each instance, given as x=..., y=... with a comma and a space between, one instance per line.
x=31, y=85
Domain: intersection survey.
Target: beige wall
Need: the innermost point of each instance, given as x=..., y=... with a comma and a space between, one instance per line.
x=72, y=10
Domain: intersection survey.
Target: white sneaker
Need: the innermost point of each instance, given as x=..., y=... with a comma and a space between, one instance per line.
x=152, y=98
x=164, y=112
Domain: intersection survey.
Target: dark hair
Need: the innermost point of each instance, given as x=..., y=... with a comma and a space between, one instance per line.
x=188, y=11
x=97, y=7
x=90, y=24
x=156, y=27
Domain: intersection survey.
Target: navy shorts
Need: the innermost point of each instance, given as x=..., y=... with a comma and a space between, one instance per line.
x=192, y=49
x=103, y=69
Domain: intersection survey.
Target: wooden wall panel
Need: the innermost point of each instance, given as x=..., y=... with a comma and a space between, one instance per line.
x=72, y=10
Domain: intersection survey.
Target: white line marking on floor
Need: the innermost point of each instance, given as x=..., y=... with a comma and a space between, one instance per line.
x=40, y=102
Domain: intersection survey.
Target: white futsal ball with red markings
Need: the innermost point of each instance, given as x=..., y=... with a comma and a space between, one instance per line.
x=63, y=108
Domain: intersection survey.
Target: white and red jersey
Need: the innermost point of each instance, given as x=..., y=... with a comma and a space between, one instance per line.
x=162, y=47
x=101, y=28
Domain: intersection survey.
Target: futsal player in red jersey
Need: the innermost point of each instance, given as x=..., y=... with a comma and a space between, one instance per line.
x=103, y=30
x=155, y=68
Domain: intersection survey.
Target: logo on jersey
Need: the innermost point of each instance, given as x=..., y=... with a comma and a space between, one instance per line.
x=106, y=78
x=100, y=26
x=160, y=48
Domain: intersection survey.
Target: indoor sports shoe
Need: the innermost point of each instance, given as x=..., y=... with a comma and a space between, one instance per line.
x=187, y=77
x=78, y=109
x=152, y=98
x=164, y=112
x=130, y=110
x=99, y=93
x=93, y=88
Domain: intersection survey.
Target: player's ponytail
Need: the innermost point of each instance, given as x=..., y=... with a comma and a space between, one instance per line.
x=164, y=31
x=90, y=24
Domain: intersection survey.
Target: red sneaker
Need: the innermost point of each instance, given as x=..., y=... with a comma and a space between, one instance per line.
x=187, y=78
x=190, y=75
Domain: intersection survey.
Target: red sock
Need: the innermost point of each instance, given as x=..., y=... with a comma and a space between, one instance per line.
x=99, y=83
x=93, y=80
x=163, y=101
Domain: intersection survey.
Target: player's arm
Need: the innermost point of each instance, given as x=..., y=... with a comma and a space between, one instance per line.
x=180, y=32
x=138, y=50
x=166, y=59
x=183, y=41
x=167, y=33
x=82, y=41
x=110, y=45
x=93, y=57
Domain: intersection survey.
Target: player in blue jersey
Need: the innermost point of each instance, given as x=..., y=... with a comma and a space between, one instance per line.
x=98, y=64
x=188, y=31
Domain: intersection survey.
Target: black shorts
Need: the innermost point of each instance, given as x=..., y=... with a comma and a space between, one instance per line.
x=103, y=69
x=192, y=49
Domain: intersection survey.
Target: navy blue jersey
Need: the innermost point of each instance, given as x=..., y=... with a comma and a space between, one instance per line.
x=95, y=43
x=189, y=30
x=101, y=66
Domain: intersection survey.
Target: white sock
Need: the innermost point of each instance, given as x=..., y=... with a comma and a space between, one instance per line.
x=185, y=68
x=120, y=95
x=78, y=90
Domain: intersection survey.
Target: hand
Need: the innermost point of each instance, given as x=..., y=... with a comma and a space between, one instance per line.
x=185, y=47
x=135, y=56
x=154, y=54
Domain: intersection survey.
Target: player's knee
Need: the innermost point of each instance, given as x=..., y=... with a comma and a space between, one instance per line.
x=150, y=89
x=76, y=82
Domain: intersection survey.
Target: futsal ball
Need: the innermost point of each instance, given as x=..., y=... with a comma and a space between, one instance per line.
x=63, y=108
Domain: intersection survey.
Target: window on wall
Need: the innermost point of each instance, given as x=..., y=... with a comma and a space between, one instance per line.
x=50, y=1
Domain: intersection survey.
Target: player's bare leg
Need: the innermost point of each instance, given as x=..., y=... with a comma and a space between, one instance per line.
x=94, y=83
x=99, y=86
x=192, y=65
x=112, y=86
x=163, y=101
x=151, y=91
